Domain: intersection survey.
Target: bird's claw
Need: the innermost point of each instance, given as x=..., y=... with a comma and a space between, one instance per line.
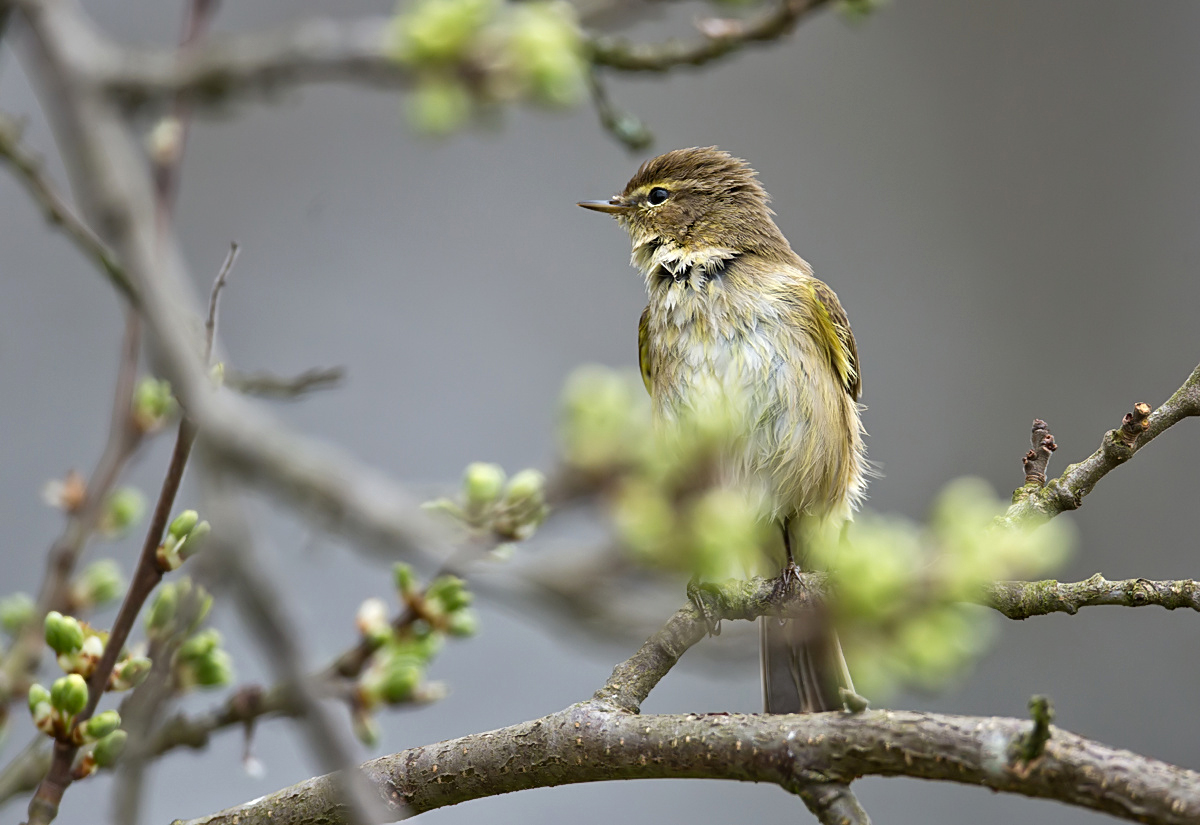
x=698, y=595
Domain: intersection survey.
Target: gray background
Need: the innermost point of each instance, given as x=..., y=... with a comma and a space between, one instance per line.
x=1004, y=195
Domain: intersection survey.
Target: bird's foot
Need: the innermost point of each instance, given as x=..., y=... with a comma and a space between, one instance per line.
x=701, y=595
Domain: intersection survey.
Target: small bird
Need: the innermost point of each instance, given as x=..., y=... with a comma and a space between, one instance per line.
x=731, y=306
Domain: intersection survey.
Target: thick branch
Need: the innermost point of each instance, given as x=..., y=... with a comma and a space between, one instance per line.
x=1033, y=503
x=590, y=742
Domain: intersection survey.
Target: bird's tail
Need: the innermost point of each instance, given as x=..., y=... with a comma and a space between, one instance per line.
x=799, y=666
x=802, y=662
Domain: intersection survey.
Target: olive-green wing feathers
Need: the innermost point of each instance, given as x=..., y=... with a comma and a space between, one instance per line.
x=644, y=350
x=833, y=330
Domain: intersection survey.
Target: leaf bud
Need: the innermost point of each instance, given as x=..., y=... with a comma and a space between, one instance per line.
x=69, y=694
x=401, y=677
x=405, y=578
x=108, y=750
x=131, y=673
x=482, y=484
x=64, y=634
x=37, y=695
x=162, y=611
x=101, y=725
x=463, y=623
x=123, y=509
x=99, y=583
x=450, y=591
x=16, y=611
x=183, y=524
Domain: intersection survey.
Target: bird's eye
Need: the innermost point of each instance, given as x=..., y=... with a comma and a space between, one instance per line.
x=657, y=195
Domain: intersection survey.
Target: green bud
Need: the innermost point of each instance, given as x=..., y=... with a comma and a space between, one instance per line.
x=213, y=670
x=37, y=695
x=525, y=488
x=183, y=524
x=69, y=694
x=16, y=611
x=123, y=510
x=108, y=750
x=200, y=645
x=482, y=484
x=194, y=540
x=64, y=634
x=463, y=623
x=152, y=404
x=132, y=672
x=162, y=611
x=101, y=582
x=450, y=591
x=401, y=677
x=101, y=725
x=405, y=578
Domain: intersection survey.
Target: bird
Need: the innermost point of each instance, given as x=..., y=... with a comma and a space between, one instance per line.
x=731, y=306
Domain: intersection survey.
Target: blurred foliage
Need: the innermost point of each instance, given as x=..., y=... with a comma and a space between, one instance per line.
x=472, y=55
x=901, y=592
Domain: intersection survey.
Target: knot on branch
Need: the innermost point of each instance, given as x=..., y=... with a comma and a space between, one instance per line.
x=1028, y=747
x=1037, y=458
x=1134, y=424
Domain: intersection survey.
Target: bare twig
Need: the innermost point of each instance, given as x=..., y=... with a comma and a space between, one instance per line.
x=214, y=300
x=1032, y=504
x=1037, y=458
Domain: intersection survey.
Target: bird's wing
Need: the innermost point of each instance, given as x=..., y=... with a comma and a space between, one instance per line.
x=644, y=350
x=833, y=331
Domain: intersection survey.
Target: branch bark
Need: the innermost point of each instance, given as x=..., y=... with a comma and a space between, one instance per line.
x=1034, y=503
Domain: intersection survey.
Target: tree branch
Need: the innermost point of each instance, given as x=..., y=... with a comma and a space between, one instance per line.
x=1034, y=503
x=27, y=168
x=733, y=36
x=1021, y=600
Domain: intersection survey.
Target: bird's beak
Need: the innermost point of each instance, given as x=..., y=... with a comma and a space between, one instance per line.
x=613, y=206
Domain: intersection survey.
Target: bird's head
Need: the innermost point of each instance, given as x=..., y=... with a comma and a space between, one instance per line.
x=694, y=202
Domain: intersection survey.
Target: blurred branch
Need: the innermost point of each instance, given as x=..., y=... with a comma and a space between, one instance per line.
x=227, y=66
x=722, y=38
x=266, y=385
x=233, y=556
x=27, y=168
x=1021, y=600
x=358, y=51
x=1034, y=502
x=807, y=754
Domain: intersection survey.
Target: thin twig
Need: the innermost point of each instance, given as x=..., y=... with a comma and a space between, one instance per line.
x=618, y=54
x=1033, y=504
x=210, y=323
